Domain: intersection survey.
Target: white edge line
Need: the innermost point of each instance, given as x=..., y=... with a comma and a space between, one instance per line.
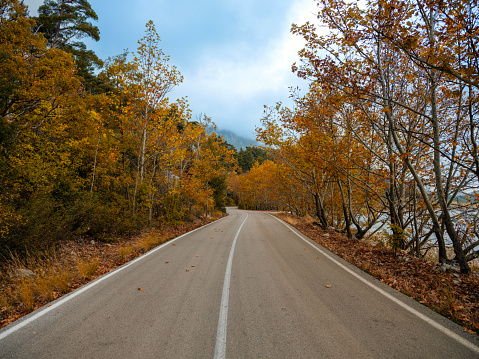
x=48, y=308
x=220, y=347
x=428, y=320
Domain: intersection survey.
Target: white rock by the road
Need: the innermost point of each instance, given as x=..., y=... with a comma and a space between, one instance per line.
x=24, y=273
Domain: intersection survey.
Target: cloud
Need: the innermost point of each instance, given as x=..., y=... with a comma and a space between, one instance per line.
x=235, y=56
x=33, y=6
x=232, y=83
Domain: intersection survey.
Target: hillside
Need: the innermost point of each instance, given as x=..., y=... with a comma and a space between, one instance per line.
x=237, y=141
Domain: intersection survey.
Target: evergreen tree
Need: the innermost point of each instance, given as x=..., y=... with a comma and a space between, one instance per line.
x=247, y=158
x=64, y=23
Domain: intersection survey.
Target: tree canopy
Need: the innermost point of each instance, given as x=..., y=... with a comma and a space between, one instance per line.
x=387, y=133
x=75, y=162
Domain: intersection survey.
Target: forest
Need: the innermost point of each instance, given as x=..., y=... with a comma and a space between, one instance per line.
x=91, y=147
x=386, y=137
x=384, y=140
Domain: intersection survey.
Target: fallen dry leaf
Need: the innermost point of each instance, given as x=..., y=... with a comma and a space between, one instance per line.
x=167, y=262
x=174, y=244
x=469, y=331
x=193, y=266
x=187, y=270
x=140, y=288
x=197, y=255
x=328, y=285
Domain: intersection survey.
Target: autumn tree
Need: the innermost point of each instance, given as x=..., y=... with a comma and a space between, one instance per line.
x=392, y=56
x=100, y=164
x=262, y=188
x=45, y=121
x=315, y=143
x=156, y=79
x=388, y=130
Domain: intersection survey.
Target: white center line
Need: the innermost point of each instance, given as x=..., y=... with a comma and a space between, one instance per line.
x=220, y=348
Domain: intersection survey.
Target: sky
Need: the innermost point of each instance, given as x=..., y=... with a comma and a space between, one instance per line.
x=235, y=56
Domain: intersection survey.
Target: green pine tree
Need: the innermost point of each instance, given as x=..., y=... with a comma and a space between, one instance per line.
x=64, y=23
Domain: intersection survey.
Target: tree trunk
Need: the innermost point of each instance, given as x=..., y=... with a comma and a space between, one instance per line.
x=94, y=165
x=451, y=231
x=345, y=212
x=388, y=106
x=143, y=155
x=320, y=212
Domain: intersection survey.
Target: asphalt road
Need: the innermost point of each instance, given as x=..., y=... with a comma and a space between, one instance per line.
x=247, y=286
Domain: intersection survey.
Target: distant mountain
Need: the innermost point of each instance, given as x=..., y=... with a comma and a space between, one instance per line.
x=237, y=141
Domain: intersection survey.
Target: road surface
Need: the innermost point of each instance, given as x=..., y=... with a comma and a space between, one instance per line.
x=247, y=286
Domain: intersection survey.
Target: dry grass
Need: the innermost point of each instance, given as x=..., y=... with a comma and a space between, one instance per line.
x=7, y=303
x=124, y=252
x=45, y=287
x=87, y=267
x=50, y=279
x=150, y=240
x=377, y=239
x=294, y=220
x=289, y=218
x=448, y=301
x=61, y=281
x=308, y=219
x=26, y=294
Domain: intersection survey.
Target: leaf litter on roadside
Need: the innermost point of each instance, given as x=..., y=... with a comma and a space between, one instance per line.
x=417, y=278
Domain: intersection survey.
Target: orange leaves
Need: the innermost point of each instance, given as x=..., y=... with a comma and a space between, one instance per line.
x=158, y=77
x=467, y=330
x=260, y=187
